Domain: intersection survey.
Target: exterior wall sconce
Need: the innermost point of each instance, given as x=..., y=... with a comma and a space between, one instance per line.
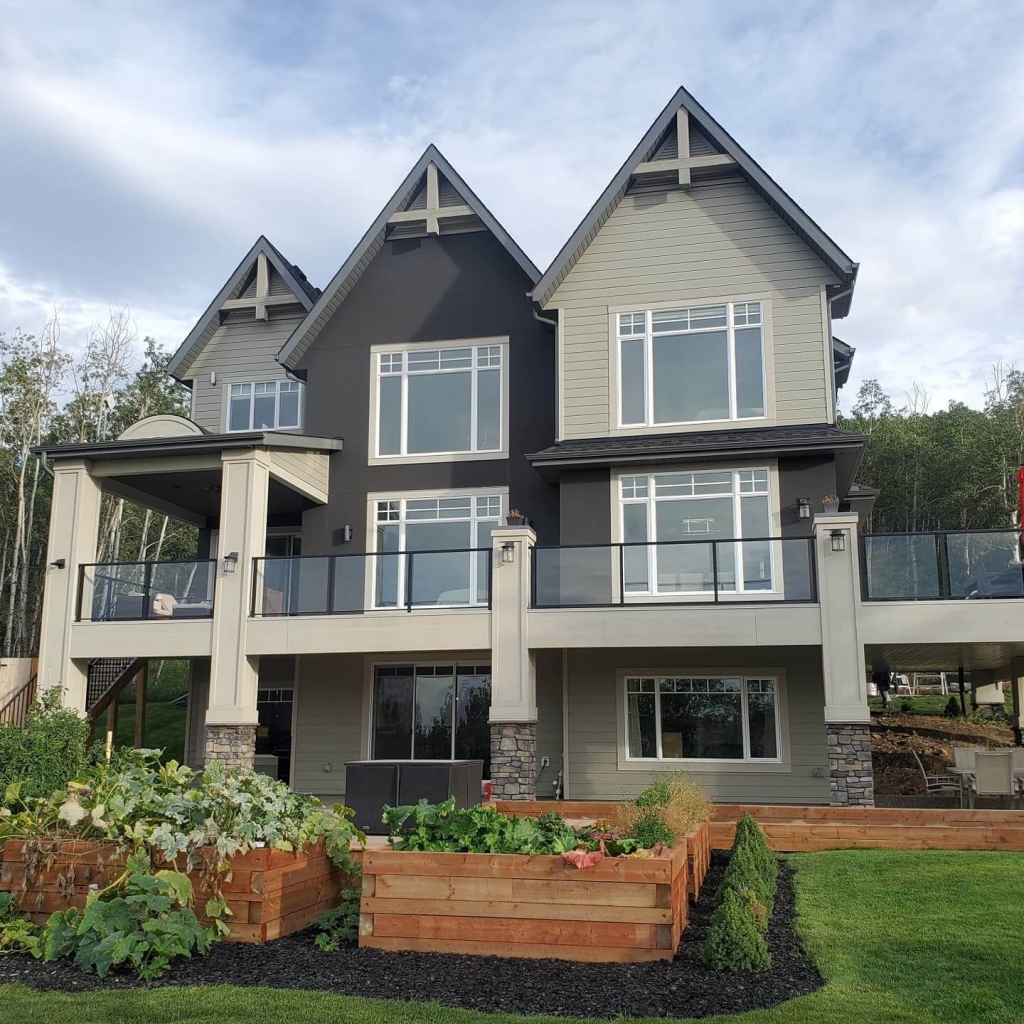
x=58, y=563
x=803, y=507
x=231, y=561
x=508, y=553
x=838, y=540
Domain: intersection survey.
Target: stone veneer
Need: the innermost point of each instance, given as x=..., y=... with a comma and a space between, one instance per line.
x=850, y=775
x=513, y=760
x=234, y=745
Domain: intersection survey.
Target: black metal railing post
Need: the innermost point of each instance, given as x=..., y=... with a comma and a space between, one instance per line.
x=622, y=574
x=408, y=581
x=714, y=568
x=533, y=578
x=252, y=611
x=81, y=590
x=813, y=562
x=330, y=583
x=147, y=593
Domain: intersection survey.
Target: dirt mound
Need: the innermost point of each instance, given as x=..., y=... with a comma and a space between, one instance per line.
x=894, y=738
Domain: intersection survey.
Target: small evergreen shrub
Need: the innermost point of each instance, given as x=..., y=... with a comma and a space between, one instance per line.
x=744, y=872
x=651, y=830
x=750, y=836
x=734, y=942
x=952, y=708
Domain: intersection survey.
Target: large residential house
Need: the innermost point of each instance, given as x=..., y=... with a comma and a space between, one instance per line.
x=586, y=525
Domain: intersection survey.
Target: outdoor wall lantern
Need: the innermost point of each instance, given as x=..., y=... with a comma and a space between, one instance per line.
x=803, y=506
x=838, y=540
x=508, y=552
x=59, y=563
x=231, y=561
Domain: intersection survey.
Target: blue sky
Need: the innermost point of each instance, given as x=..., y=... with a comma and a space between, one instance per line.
x=147, y=145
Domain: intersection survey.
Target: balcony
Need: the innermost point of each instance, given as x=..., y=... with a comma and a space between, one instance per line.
x=145, y=591
x=729, y=571
x=369, y=582
x=946, y=565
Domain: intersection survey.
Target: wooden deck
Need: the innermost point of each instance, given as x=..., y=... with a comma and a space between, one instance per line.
x=794, y=829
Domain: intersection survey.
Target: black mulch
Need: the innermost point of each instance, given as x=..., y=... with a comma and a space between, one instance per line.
x=684, y=987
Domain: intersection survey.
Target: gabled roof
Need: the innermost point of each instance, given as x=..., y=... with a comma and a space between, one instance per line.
x=842, y=359
x=404, y=202
x=305, y=295
x=823, y=246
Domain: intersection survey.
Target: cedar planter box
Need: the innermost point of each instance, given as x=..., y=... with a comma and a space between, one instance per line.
x=698, y=855
x=622, y=910
x=269, y=892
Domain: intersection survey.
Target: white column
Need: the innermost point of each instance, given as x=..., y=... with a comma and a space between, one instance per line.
x=245, y=482
x=513, y=671
x=74, y=529
x=842, y=652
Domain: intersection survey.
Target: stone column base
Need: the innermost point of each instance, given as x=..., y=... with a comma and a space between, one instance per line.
x=514, y=760
x=850, y=775
x=233, y=745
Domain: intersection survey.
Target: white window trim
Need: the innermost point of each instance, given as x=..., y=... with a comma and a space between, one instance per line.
x=615, y=371
x=373, y=662
x=278, y=381
x=709, y=765
x=376, y=459
x=724, y=597
x=370, y=577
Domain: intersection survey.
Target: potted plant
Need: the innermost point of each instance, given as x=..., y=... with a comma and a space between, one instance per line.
x=515, y=518
x=830, y=503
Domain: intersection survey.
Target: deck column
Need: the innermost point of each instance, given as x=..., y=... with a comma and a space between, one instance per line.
x=1017, y=692
x=513, y=714
x=847, y=716
x=231, y=717
x=74, y=529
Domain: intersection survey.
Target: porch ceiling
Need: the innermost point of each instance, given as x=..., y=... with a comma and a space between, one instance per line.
x=934, y=657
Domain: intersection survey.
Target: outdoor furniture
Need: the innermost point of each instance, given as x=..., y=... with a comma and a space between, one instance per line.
x=993, y=775
x=963, y=757
x=937, y=783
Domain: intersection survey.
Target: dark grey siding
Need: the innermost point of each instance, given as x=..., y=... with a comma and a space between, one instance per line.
x=585, y=505
x=422, y=290
x=810, y=477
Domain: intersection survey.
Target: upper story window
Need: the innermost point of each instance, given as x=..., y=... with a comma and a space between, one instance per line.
x=442, y=401
x=698, y=364
x=265, y=405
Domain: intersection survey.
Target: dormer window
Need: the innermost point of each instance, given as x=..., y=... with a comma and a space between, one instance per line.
x=265, y=405
x=695, y=364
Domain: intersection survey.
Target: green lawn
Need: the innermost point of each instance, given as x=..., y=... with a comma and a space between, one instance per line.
x=165, y=727
x=931, y=703
x=901, y=938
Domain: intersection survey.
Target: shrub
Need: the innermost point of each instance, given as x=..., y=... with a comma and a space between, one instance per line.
x=745, y=872
x=952, y=708
x=681, y=804
x=340, y=924
x=734, y=942
x=48, y=750
x=651, y=830
x=750, y=837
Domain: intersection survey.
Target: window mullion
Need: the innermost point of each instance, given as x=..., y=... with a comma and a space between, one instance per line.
x=657, y=714
x=473, y=399
x=737, y=518
x=648, y=369
x=746, y=718
x=730, y=334
x=404, y=420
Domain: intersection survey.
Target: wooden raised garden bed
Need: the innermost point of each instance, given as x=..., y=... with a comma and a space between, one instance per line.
x=269, y=892
x=527, y=906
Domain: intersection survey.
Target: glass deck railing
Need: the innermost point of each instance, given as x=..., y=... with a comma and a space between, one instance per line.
x=349, y=584
x=944, y=565
x=671, y=572
x=135, y=591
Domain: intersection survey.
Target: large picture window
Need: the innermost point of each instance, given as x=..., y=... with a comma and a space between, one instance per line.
x=445, y=535
x=683, y=531
x=702, y=718
x=432, y=712
x=439, y=401
x=697, y=364
x=265, y=405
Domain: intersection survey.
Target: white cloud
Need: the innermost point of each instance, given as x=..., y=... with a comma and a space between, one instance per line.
x=153, y=143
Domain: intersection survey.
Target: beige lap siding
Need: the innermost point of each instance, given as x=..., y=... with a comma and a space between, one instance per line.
x=594, y=723
x=717, y=240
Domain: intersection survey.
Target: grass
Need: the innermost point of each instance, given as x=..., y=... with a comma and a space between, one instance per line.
x=900, y=937
x=931, y=703
x=165, y=728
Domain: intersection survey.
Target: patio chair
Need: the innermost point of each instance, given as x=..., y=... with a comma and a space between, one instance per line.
x=993, y=775
x=937, y=783
x=963, y=757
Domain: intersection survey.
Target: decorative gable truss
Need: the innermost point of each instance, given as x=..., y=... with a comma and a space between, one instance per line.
x=682, y=153
x=263, y=281
x=435, y=206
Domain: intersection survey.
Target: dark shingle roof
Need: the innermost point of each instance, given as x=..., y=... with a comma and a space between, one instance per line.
x=704, y=444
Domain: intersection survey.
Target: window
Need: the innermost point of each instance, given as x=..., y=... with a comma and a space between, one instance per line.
x=439, y=401
x=693, y=365
x=441, y=534
x=702, y=718
x=683, y=529
x=265, y=405
x=434, y=712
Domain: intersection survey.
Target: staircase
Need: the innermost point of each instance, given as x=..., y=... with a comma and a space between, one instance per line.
x=107, y=678
x=14, y=711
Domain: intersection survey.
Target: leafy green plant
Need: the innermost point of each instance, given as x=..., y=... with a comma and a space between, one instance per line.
x=681, y=804
x=16, y=933
x=46, y=751
x=651, y=830
x=734, y=942
x=340, y=924
x=143, y=921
